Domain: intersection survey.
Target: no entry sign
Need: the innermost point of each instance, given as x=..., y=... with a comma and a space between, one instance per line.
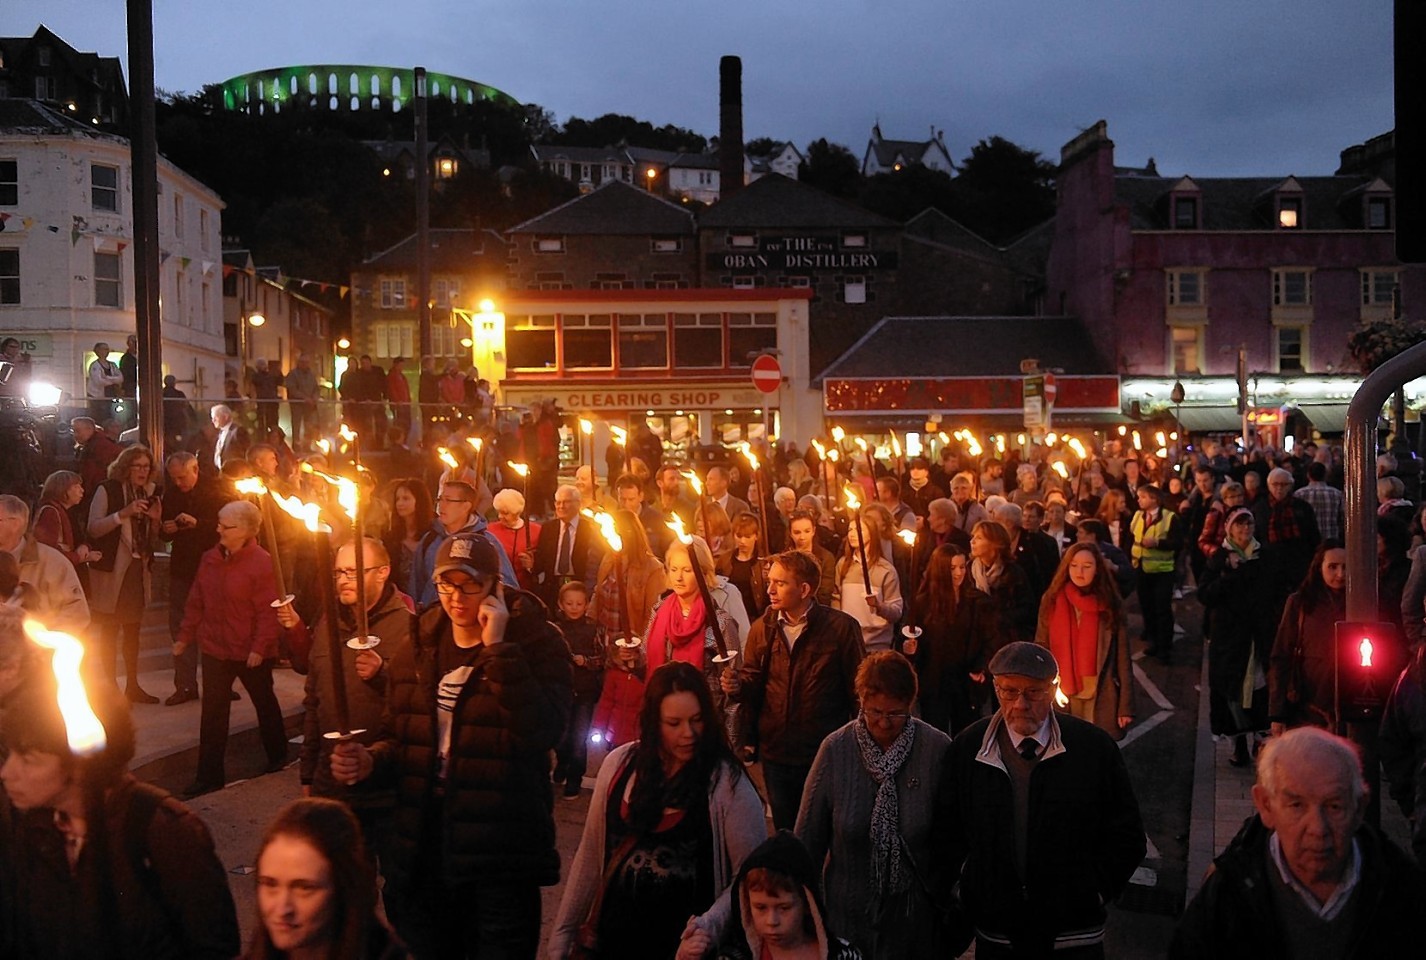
x=767, y=373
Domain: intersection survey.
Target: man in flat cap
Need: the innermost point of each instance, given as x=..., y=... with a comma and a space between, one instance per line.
x=1045, y=829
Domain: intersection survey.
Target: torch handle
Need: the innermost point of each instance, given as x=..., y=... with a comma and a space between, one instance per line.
x=270, y=529
x=334, y=639
x=709, y=610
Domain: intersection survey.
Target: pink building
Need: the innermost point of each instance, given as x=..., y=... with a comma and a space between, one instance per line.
x=1174, y=275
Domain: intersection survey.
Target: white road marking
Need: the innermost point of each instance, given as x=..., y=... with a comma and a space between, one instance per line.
x=1153, y=851
x=1155, y=694
x=1145, y=877
x=1139, y=729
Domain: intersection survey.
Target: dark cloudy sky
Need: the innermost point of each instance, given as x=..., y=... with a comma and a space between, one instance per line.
x=1207, y=87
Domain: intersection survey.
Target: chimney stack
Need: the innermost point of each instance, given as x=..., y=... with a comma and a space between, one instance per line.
x=730, y=125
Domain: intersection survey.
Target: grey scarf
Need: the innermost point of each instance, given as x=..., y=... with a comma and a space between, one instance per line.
x=886, y=870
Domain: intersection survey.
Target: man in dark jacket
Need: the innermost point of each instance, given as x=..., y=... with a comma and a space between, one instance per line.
x=1045, y=827
x=191, y=503
x=1035, y=552
x=1305, y=877
x=474, y=706
x=797, y=680
x=1287, y=528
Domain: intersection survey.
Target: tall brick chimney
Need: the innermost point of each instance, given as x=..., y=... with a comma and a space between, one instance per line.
x=730, y=125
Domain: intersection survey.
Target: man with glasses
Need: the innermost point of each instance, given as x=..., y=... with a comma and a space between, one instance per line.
x=474, y=705
x=1045, y=827
x=568, y=548
x=455, y=513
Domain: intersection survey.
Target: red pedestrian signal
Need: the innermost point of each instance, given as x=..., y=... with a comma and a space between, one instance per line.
x=1369, y=658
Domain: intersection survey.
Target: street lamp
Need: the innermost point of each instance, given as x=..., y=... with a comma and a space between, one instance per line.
x=1177, y=395
x=649, y=176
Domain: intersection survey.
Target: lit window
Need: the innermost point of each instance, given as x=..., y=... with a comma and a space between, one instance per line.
x=9, y=276
x=1291, y=350
x=549, y=245
x=530, y=342
x=743, y=240
x=854, y=290
x=108, y=281
x=1378, y=288
x=587, y=340
x=1289, y=213
x=9, y=183
x=1292, y=288
x=1187, y=343
x=1185, y=288
x=1185, y=213
x=667, y=245
x=446, y=168
x=104, y=187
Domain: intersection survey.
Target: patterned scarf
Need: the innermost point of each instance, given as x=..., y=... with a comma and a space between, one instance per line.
x=1282, y=521
x=886, y=870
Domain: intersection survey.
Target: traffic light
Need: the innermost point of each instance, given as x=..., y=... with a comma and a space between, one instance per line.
x=1369, y=659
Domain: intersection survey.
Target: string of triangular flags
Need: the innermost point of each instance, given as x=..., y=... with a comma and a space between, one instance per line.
x=285, y=281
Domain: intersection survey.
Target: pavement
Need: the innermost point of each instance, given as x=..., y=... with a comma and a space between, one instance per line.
x=1193, y=801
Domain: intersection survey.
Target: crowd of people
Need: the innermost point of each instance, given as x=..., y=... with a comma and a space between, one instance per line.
x=822, y=731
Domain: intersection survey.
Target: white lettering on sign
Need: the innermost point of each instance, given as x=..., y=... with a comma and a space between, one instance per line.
x=662, y=398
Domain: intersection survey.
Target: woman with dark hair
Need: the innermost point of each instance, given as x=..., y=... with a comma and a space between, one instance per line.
x=872, y=796
x=1232, y=589
x=672, y=819
x=99, y=864
x=1082, y=624
x=995, y=573
x=957, y=638
x=62, y=491
x=1300, y=665
x=409, y=515
x=316, y=888
x=124, y=519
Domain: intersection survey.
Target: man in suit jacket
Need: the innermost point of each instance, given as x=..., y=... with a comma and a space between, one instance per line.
x=569, y=548
x=232, y=442
x=717, y=487
x=1037, y=553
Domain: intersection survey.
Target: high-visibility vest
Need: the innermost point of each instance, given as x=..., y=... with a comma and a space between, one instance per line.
x=1156, y=559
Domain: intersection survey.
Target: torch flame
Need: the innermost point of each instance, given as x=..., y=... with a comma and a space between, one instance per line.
x=347, y=433
x=619, y=435
x=676, y=525
x=861, y=443
x=1138, y=442
x=522, y=469
x=1059, y=467
x=606, y=527
x=346, y=489
x=944, y=438
x=748, y=454
x=834, y=454
x=475, y=442
x=1365, y=649
x=249, y=486
x=838, y=434
x=1122, y=429
x=1000, y=445
x=693, y=481
x=895, y=444
x=325, y=446
x=309, y=513
x=974, y=448
x=1051, y=439
x=448, y=458
x=586, y=427
x=82, y=728
x=908, y=537
x=1078, y=448
x=1020, y=439
x=1159, y=438
x=1162, y=453
x=853, y=501
x=821, y=450
x=1061, y=700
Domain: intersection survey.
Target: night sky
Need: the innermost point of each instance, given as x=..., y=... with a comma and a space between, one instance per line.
x=1206, y=87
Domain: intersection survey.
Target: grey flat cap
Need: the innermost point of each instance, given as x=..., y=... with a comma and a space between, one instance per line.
x=1023, y=659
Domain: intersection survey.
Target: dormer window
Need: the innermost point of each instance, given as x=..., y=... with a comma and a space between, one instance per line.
x=1185, y=213
x=1378, y=213
x=1289, y=213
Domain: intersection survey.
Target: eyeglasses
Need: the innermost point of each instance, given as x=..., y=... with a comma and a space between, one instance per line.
x=1031, y=694
x=468, y=589
x=349, y=573
x=452, y=500
x=881, y=716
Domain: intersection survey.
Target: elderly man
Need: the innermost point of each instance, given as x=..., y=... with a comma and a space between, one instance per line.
x=455, y=513
x=569, y=548
x=1045, y=828
x=1287, y=529
x=1305, y=877
x=232, y=441
x=94, y=451
x=52, y=593
x=1035, y=552
x=796, y=682
x=191, y=503
x=784, y=502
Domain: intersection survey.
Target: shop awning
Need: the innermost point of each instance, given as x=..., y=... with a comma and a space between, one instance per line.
x=1326, y=417
x=1215, y=419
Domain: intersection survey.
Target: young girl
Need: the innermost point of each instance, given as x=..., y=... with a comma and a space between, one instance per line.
x=616, y=718
x=744, y=566
x=877, y=609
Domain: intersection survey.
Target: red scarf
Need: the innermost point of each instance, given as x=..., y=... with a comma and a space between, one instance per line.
x=1074, y=641
x=674, y=636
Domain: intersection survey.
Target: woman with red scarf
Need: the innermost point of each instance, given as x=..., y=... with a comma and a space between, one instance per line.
x=679, y=626
x=1082, y=624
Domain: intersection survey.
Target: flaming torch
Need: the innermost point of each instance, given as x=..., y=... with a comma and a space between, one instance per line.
x=756, y=467
x=252, y=486
x=1061, y=700
x=709, y=609
x=855, y=528
x=310, y=514
x=82, y=729
x=692, y=477
x=523, y=469
x=478, y=445
x=912, y=631
x=586, y=431
x=605, y=522
x=621, y=436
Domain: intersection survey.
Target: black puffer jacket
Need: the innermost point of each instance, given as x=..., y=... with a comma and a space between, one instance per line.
x=498, y=821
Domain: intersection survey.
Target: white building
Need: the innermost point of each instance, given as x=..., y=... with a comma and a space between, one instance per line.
x=888, y=156
x=67, y=256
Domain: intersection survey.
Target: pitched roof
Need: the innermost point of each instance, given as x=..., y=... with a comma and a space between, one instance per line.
x=938, y=227
x=452, y=250
x=696, y=161
x=777, y=201
x=32, y=118
x=548, y=151
x=614, y=207
x=1244, y=203
x=968, y=347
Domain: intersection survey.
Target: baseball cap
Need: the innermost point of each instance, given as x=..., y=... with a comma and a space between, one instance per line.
x=471, y=553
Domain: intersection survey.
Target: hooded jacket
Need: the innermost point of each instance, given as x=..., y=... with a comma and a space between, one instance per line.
x=786, y=855
x=421, y=588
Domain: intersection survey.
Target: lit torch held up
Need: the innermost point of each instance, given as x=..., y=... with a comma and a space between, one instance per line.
x=710, y=610
x=82, y=729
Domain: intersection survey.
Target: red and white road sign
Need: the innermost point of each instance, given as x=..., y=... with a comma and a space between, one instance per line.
x=1050, y=389
x=767, y=373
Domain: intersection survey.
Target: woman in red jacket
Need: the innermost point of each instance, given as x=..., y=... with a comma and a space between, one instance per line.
x=230, y=616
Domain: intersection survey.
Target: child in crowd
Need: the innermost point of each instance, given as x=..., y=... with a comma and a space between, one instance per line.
x=616, y=719
x=586, y=647
x=744, y=567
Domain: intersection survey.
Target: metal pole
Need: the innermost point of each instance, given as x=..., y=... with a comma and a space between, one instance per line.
x=144, y=154
x=1360, y=494
x=423, y=217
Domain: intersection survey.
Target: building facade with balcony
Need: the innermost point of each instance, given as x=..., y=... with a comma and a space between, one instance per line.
x=1173, y=276
x=67, y=258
